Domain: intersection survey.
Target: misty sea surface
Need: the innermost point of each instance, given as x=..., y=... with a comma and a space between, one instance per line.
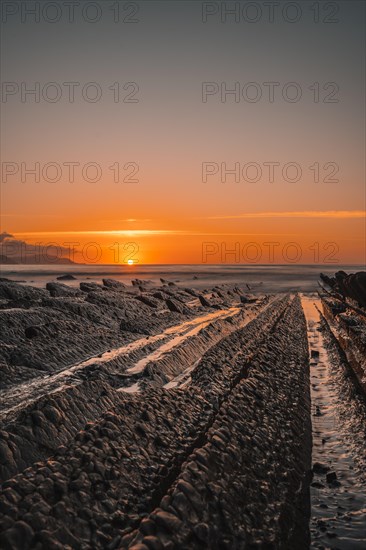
x=260, y=278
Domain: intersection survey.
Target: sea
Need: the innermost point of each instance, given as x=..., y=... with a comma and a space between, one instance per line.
x=258, y=278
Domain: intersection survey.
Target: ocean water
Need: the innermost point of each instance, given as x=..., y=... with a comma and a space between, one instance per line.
x=260, y=278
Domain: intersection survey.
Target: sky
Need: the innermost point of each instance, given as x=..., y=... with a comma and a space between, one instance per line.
x=180, y=133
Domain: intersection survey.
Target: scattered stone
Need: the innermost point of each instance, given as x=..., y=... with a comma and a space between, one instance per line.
x=320, y=468
x=331, y=477
x=66, y=277
x=31, y=332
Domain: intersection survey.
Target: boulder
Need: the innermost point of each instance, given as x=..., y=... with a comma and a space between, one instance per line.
x=174, y=305
x=204, y=301
x=60, y=290
x=349, y=286
x=66, y=277
x=112, y=283
x=90, y=287
x=17, y=292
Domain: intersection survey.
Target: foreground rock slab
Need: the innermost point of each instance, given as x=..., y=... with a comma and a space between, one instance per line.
x=221, y=462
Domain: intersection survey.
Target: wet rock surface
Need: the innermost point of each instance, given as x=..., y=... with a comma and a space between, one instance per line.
x=56, y=346
x=47, y=330
x=155, y=416
x=216, y=459
x=338, y=488
x=349, y=327
x=234, y=490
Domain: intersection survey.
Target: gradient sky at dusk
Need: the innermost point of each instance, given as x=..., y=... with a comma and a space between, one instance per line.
x=170, y=132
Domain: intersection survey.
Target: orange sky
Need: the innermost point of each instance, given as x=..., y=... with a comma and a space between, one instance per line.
x=169, y=133
x=296, y=237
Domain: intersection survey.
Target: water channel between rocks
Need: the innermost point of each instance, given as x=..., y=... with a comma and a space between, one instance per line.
x=338, y=489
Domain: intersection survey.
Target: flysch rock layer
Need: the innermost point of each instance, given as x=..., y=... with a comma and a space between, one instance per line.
x=349, y=328
x=245, y=485
x=222, y=461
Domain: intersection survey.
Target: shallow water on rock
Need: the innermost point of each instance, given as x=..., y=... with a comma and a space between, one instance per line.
x=338, y=489
x=23, y=394
x=182, y=335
